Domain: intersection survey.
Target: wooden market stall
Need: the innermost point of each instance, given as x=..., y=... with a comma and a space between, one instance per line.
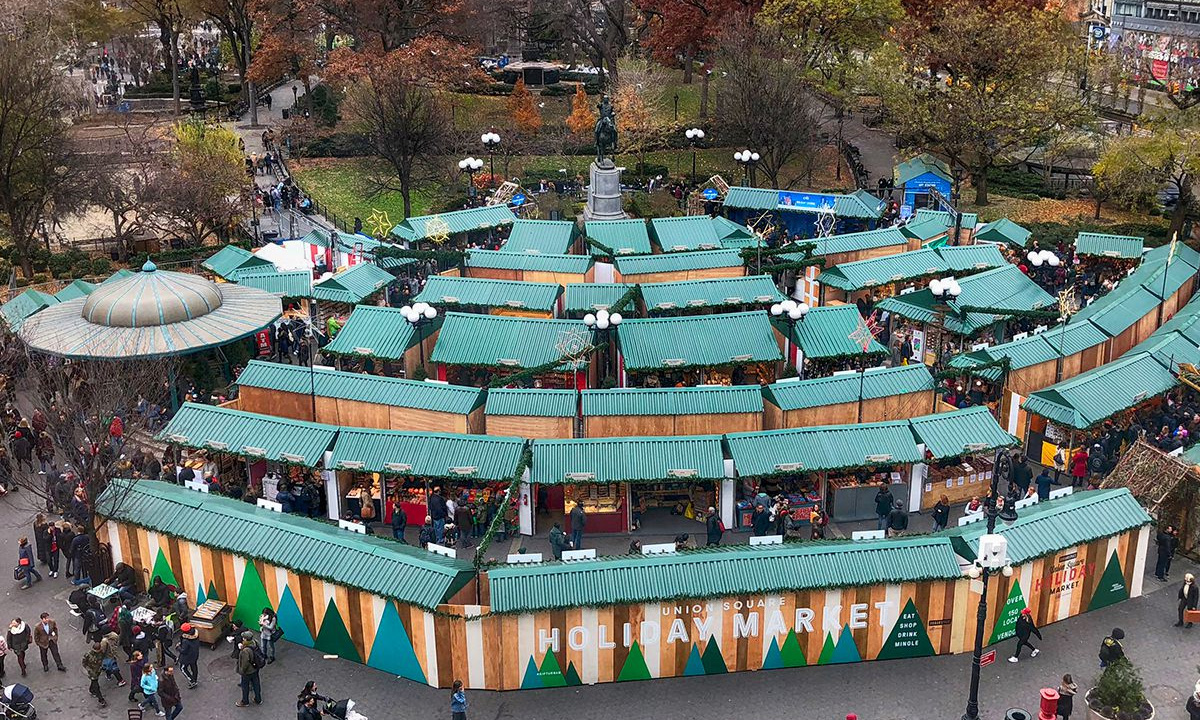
x=890, y=275
x=671, y=411
x=337, y=294
x=580, y=299
x=690, y=297
x=494, y=297
x=674, y=267
x=529, y=267
x=543, y=237
x=616, y=238
x=458, y=228
x=873, y=395
x=959, y=449
x=475, y=349
x=722, y=349
x=825, y=341
x=532, y=412
x=381, y=339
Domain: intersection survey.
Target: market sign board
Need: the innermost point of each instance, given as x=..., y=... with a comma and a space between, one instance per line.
x=789, y=199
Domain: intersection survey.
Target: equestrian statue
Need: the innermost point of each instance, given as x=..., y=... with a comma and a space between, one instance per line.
x=606, y=131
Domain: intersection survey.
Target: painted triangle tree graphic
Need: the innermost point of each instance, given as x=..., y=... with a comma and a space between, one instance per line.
x=845, y=651
x=792, y=653
x=212, y=591
x=1006, y=622
x=201, y=598
x=162, y=569
x=572, y=676
x=773, y=659
x=333, y=638
x=826, y=655
x=635, y=665
x=1111, y=588
x=291, y=621
x=392, y=650
x=251, y=598
x=532, y=680
x=551, y=672
x=714, y=662
x=695, y=666
x=908, y=638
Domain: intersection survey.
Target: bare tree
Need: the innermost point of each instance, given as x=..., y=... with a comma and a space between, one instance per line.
x=169, y=16
x=600, y=28
x=125, y=179
x=236, y=21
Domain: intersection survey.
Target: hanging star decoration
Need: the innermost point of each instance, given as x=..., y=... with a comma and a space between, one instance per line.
x=437, y=230
x=1066, y=302
x=865, y=331
x=574, y=346
x=379, y=223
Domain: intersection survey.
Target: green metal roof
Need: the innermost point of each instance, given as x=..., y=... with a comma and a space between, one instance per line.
x=532, y=262
x=1124, y=247
x=75, y=290
x=1183, y=252
x=120, y=274
x=427, y=454
x=919, y=165
x=17, y=310
x=921, y=309
x=209, y=427
x=967, y=258
x=1170, y=349
x=296, y=284
x=903, y=266
x=623, y=237
x=1025, y=352
x=454, y=223
x=677, y=262
x=1002, y=288
x=961, y=432
x=690, y=232
x=740, y=570
x=825, y=333
x=923, y=229
x=497, y=341
x=589, y=297
x=374, y=565
x=372, y=331
x=855, y=242
x=968, y=361
x=859, y=204
x=354, y=285
x=1094, y=396
x=1186, y=321
x=1003, y=231
x=627, y=459
x=697, y=341
x=701, y=400
x=830, y=447
x=545, y=237
x=227, y=261
x=444, y=291
x=748, y=290
x=844, y=387
x=1115, y=318
x=729, y=231
x=1054, y=525
x=531, y=402
x=1073, y=338
x=1164, y=280
x=969, y=220
x=378, y=389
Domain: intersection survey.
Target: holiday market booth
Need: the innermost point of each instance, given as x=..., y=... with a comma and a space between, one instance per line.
x=873, y=395
x=231, y=260
x=532, y=412
x=699, y=232
x=243, y=454
x=960, y=449
x=915, y=177
x=671, y=411
x=358, y=399
x=614, y=238
x=895, y=274
x=800, y=212
x=338, y=294
x=580, y=299
x=852, y=247
x=725, y=349
x=826, y=340
x=400, y=469
x=293, y=288
x=675, y=267
x=476, y=349
x=541, y=237
x=663, y=484
x=1109, y=247
x=1003, y=232
x=457, y=229
x=384, y=340
x=494, y=297
x=528, y=267
x=690, y=297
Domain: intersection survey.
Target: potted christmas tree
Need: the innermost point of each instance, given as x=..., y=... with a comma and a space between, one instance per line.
x=1119, y=694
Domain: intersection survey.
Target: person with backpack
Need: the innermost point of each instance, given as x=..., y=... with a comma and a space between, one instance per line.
x=1024, y=629
x=250, y=660
x=1111, y=649
x=715, y=527
x=189, y=654
x=93, y=665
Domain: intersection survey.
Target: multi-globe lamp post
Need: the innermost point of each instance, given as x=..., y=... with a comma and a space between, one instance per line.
x=1044, y=259
x=604, y=321
x=419, y=314
x=491, y=141
x=694, y=136
x=791, y=312
x=470, y=165
x=944, y=292
x=747, y=158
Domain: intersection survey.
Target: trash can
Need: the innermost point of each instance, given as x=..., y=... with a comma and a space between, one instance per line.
x=1017, y=714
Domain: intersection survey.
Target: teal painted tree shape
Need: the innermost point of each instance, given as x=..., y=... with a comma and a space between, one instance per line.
x=551, y=672
x=251, y=598
x=908, y=638
x=774, y=658
x=532, y=679
x=333, y=638
x=846, y=651
x=291, y=621
x=791, y=652
x=635, y=665
x=201, y=598
x=392, y=651
x=695, y=666
x=1111, y=588
x=1006, y=622
x=714, y=662
x=162, y=569
x=572, y=676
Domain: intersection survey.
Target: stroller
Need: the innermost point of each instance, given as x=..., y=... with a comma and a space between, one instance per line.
x=17, y=703
x=343, y=710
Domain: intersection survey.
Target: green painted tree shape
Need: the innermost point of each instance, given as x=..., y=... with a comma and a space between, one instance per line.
x=1111, y=588
x=251, y=598
x=212, y=591
x=845, y=651
x=774, y=658
x=162, y=569
x=635, y=665
x=1006, y=623
x=572, y=676
x=826, y=655
x=392, y=650
x=695, y=666
x=291, y=620
x=792, y=652
x=532, y=679
x=714, y=662
x=908, y=638
x=551, y=672
x=333, y=638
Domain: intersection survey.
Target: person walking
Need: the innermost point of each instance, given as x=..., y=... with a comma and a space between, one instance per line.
x=883, y=505
x=578, y=523
x=1111, y=649
x=41, y=540
x=1166, y=540
x=1193, y=704
x=1022, y=475
x=249, y=662
x=558, y=541
x=19, y=638
x=1043, y=482
x=3, y=654
x=137, y=663
x=45, y=636
x=458, y=702
x=93, y=665
x=941, y=514
x=108, y=647
x=25, y=564
x=1079, y=468
x=1025, y=628
x=149, y=685
x=399, y=523
x=22, y=450
x=715, y=528
x=1066, y=696
x=189, y=654
x=53, y=548
x=268, y=623
x=307, y=709
x=897, y=520
x=1189, y=596
x=168, y=693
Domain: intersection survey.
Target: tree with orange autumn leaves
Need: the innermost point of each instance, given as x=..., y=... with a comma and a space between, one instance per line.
x=582, y=119
x=523, y=109
x=683, y=31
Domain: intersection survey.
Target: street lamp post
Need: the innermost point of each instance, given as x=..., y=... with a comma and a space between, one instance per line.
x=694, y=136
x=419, y=314
x=603, y=321
x=1043, y=258
x=747, y=158
x=992, y=558
x=491, y=141
x=470, y=166
x=944, y=292
x=792, y=313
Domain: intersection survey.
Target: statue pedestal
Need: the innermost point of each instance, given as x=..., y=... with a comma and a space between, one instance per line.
x=604, y=193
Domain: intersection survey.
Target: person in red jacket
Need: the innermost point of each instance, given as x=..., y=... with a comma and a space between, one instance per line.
x=1079, y=468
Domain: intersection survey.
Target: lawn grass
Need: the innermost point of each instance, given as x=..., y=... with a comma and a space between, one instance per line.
x=341, y=187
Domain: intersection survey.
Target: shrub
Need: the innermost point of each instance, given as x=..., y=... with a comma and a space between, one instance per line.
x=1120, y=693
x=559, y=90
x=337, y=144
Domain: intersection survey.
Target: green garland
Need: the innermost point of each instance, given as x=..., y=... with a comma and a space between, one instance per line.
x=796, y=265
x=533, y=372
x=445, y=257
x=605, y=250
x=1003, y=364
x=1037, y=314
x=633, y=293
x=513, y=484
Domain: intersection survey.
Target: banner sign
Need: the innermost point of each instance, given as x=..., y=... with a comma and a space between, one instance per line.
x=806, y=201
